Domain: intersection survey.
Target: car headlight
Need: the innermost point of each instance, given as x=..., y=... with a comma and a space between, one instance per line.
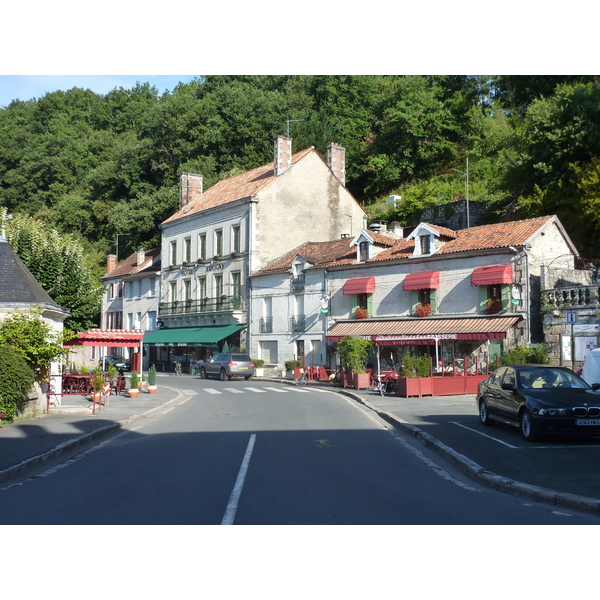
x=552, y=412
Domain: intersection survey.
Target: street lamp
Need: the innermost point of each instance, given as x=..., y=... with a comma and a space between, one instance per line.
x=466, y=174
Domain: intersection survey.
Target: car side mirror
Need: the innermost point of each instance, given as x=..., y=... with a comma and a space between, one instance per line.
x=508, y=386
x=596, y=386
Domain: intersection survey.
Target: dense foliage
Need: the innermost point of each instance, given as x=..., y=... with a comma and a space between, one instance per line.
x=353, y=351
x=16, y=382
x=101, y=165
x=522, y=355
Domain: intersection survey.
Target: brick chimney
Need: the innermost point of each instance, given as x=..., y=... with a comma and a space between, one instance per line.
x=283, y=154
x=111, y=262
x=190, y=188
x=336, y=159
x=141, y=257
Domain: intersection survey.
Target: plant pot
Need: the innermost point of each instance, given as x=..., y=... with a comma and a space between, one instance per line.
x=259, y=372
x=97, y=397
x=289, y=374
x=144, y=385
x=362, y=381
x=133, y=392
x=152, y=389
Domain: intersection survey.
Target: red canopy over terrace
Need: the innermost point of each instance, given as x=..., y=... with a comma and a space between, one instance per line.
x=112, y=338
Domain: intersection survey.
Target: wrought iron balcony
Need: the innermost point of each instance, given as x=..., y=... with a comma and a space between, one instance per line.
x=265, y=325
x=206, y=305
x=297, y=284
x=297, y=323
x=587, y=296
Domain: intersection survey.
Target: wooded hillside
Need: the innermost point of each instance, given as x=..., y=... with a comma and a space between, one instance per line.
x=99, y=166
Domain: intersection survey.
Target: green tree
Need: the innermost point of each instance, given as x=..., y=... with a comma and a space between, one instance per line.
x=16, y=382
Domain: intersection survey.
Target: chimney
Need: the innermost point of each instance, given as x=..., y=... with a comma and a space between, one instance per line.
x=283, y=154
x=336, y=159
x=111, y=262
x=190, y=188
x=141, y=257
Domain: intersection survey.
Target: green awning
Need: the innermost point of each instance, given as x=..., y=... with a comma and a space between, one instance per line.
x=190, y=336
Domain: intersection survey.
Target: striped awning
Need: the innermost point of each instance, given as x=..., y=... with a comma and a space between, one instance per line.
x=429, y=280
x=424, y=329
x=363, y=285
x=109, y=338
x=191, y=336
x=492, y=275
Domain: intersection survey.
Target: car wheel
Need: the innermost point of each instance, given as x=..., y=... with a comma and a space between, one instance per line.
x=484, y=415
x=527, y=426
x=222, y=375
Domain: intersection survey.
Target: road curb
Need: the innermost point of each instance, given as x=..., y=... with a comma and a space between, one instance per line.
x=481, y=475
x=68, y=445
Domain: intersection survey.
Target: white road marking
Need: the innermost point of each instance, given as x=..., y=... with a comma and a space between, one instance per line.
x=274, y=389
x=234, y=390
x=485, y=435
x=168, y=410
x=190, y=392
x=229, y=516
x=256, y=390
x=564, y=514
x=212, y=391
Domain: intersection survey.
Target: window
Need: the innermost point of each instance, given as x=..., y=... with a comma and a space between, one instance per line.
x=201, y=245
x=187, y=250
x=139, y=288
x=111, y=291
x=364, y=251
x=425, y=296
x=362, y=301
x=236, y=284
x=173, y=255
x=218, y=242
x=151, y=323
x=218, y=285
x=173, y=291
x=120, y=289
x=153, y=286
x=138, y=320
x=235, y=238
x=187, y=289
x=201, y=287
x=425, y=241
x=130, y=321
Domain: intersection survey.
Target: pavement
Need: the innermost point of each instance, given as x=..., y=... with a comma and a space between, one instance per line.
x=29, y=443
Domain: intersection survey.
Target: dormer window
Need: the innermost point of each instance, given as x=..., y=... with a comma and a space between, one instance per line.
x=363, y=251
x=425, y=243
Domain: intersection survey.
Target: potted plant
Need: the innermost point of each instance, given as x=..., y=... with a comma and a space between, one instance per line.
x=423, y=310
x=493, y=305
x=144, y=383
x=258, y=366
x=415, y=377
x=353, y=351
x=134, y=385
x=97, y=382
x=152, y=380
x=290, y=366
x=360, y=313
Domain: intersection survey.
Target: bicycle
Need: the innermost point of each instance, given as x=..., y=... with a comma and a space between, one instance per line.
x=178, y=369
x=303, y=379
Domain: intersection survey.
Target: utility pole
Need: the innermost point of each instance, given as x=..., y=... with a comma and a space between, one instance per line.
x=287, y=128
x=466, y=174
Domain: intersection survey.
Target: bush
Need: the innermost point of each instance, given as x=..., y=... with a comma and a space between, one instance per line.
x=15, y=383
x=416, y=366
x=152, y=375
x=522, y=355
x=290, y=364
x=353, y=351
x=135, y=380
x=258, y=362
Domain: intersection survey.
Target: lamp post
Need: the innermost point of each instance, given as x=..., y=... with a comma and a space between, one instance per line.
x=466, y=174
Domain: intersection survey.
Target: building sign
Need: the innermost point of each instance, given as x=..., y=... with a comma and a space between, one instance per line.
x=214, y=267
x=571, y=317
x=566, y=348
x=583, y=345
x=589, y=328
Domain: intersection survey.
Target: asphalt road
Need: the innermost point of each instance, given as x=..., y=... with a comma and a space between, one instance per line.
x=246, y=453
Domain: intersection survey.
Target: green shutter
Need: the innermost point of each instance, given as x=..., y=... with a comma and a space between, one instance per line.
x=505, y=295
x=482, y=297
x=433, y=298
x=414, y=299
x=370, y=305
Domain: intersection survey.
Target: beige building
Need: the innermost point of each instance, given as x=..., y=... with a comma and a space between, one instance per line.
x=221, y=235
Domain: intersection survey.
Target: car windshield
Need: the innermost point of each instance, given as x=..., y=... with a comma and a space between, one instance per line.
x=549, y=378
x=240, y=358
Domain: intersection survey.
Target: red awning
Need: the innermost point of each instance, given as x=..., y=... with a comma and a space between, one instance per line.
x=364, y=285
x=110, y=338
x=492, y=275
x=422, y=281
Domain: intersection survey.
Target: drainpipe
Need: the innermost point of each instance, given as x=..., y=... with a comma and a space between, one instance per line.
x=528, y=286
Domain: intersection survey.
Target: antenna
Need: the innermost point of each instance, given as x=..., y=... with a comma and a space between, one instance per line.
x=287, y=127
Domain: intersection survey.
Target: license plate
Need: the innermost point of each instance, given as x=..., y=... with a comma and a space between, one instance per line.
x=243, y=367
x=594, y=422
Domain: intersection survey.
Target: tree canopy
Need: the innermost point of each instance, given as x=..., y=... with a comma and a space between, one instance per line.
x=96, y=166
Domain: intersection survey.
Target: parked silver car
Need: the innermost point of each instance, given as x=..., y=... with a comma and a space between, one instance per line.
x=227, y=365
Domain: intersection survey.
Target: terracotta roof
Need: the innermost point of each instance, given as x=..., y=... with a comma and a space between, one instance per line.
x=129, y=265
x=482, y=237
x=244, y=185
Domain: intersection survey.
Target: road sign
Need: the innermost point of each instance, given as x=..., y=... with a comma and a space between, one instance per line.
x=571, y=317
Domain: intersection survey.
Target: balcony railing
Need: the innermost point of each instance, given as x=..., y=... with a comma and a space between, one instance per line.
x=297, y=284
x=571, y=297
x=206, y=305
x=265, y=325
x=297, y=323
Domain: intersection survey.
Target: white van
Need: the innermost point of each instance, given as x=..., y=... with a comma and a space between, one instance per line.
x=591, y=368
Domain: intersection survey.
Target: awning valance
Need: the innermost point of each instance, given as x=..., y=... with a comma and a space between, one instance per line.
x=110, y=338
x=363, y=285
x=424, y=330
x=492, y=275
x=422, y=281
x=190, y=336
